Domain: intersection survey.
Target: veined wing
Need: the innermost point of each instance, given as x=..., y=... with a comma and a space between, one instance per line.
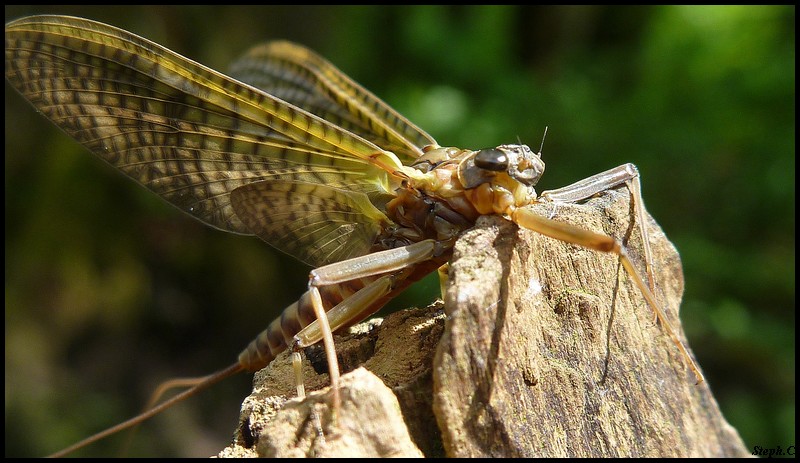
x=299, y=76
x=185, y=131
x=317, y=224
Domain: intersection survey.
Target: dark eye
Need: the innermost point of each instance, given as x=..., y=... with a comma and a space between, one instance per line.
x=491, y=159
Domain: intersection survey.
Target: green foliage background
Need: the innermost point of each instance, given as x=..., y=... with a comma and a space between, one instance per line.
x=109, y=290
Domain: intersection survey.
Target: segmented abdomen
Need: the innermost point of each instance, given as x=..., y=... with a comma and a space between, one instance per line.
x=281, y=332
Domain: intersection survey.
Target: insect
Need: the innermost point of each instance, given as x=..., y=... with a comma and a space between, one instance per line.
x=293, y=151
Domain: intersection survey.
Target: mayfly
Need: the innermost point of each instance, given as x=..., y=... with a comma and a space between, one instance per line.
x=291, y=150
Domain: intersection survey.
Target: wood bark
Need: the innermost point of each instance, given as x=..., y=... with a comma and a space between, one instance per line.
x=542, y=348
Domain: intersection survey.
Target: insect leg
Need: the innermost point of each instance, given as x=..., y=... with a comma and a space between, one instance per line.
x=528, y=219
x=373, y=264
x=351, y=269
x=444, y=276
x=346, y=311
x=598, y=183
x=297, y=366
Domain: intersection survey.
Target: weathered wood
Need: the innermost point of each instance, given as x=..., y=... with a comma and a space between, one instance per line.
x=397, y=353
x=548, y=350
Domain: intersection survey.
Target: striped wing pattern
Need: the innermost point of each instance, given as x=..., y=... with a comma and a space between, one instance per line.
x=301, y=77
x=193, y=135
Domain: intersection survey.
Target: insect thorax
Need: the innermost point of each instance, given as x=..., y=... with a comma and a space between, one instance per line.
x=449, y=188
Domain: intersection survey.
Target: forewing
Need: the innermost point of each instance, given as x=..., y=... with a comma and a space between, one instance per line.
x=185, y=131
x=303, y=78
x=315, y=223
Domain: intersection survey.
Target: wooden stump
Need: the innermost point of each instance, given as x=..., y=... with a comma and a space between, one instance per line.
x=546, y=349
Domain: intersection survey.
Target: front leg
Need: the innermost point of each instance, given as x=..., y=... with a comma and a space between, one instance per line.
x=526, y=218
x=604, y=181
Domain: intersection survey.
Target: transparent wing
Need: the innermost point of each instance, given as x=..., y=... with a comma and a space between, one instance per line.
x=299, y=76
x=186, y=132
x=317, y=224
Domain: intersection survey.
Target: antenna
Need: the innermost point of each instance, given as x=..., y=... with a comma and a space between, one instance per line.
x=543, y=137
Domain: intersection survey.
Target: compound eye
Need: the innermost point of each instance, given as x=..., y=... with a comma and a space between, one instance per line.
x=491, y=159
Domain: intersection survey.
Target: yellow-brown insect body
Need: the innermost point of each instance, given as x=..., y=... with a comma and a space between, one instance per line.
x=445, y=191
x=465, y=184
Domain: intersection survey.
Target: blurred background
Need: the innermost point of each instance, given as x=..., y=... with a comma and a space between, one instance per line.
x=109, y=290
